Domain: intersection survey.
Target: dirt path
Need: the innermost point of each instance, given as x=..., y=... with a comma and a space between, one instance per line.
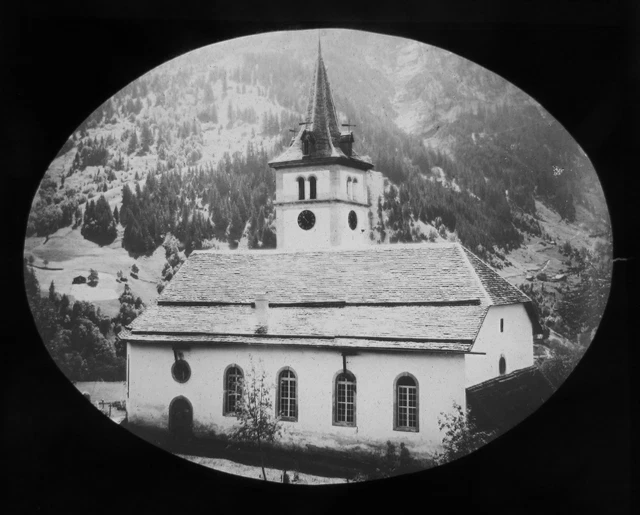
x=249, y=471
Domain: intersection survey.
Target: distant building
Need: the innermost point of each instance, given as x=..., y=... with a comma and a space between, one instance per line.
x=80, y=279
x=363, y=343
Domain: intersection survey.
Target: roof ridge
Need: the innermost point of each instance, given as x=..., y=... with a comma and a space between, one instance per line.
x=365, y=247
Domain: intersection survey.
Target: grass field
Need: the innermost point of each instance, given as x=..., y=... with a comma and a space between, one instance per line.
x=103, y=390
x=67, y=249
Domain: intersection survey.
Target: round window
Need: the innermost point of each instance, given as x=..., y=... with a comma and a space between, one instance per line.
x=353, y=220
x=306, y=220
x=181, y=371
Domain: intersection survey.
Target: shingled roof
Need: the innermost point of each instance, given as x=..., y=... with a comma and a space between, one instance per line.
x=377, y=274
x=404, y=296
x=499, y=290
x=411, y=322
x=503, y=402
x=433, y=346
x=321, y=127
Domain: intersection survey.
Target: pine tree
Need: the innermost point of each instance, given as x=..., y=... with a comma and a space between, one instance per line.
x=116, y=216
x=146, y=138
x=133, y=143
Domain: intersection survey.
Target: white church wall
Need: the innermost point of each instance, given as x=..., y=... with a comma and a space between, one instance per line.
x=294, y=237
x=515, y=343
x=440, y=381
x=289, y=191
x=343, y=234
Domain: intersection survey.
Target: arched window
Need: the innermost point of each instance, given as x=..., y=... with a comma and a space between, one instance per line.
x=312, y=187
x=406, y=403
x=354, y=189
x=232, y=388
x=502, y=365
x=344, y=413
x=287, y=405
x=349, y=187
x=300, y=188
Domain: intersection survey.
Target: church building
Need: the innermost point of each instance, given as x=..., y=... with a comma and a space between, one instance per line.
x=361, y=342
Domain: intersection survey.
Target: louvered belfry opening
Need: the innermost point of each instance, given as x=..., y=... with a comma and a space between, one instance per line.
x=312, y=187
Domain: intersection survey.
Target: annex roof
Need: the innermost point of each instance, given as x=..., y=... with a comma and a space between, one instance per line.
x=505, y=401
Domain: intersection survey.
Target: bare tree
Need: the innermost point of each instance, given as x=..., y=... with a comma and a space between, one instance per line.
x=257, y=423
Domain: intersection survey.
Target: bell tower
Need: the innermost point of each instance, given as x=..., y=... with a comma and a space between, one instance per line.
x=322, y=185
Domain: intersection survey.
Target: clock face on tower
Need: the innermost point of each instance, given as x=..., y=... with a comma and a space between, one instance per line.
x=306, y=220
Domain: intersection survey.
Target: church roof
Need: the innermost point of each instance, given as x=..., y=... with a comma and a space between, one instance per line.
x=499, y=290
x=457, y=347
x=413, y=296
x=410, y=322
x=376, y=274
x=322, y=126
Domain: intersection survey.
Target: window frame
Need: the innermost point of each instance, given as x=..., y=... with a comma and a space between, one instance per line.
x=279, y=395
x=225, y=399
x=183, y=362
x=334, y=417
x=313, y=187
x=396, y=412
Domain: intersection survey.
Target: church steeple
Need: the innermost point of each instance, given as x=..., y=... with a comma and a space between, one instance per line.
x=319, y=137
x=323, y=189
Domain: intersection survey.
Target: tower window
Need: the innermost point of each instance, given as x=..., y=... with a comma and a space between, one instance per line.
x=354, y=189
x=502, y=365
x=502, y=325
x=312, y=187
x=300, y=188
x=349, y=187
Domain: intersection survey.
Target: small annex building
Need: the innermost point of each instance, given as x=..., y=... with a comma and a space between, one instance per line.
x=363, y=343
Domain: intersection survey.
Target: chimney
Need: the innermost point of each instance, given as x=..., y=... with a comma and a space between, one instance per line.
x=262, y=313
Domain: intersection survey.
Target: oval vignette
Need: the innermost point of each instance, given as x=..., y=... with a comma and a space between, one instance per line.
x=366, y=252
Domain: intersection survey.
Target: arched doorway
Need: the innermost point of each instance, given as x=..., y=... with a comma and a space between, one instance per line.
x=181, y=419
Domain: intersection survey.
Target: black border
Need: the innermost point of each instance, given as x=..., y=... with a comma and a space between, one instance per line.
x=61, y=61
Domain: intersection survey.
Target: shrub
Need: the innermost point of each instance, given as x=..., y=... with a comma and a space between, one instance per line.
x=461, y=435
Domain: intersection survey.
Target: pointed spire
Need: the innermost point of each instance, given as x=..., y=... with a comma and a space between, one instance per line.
x=321, y=112
x=319, y=135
